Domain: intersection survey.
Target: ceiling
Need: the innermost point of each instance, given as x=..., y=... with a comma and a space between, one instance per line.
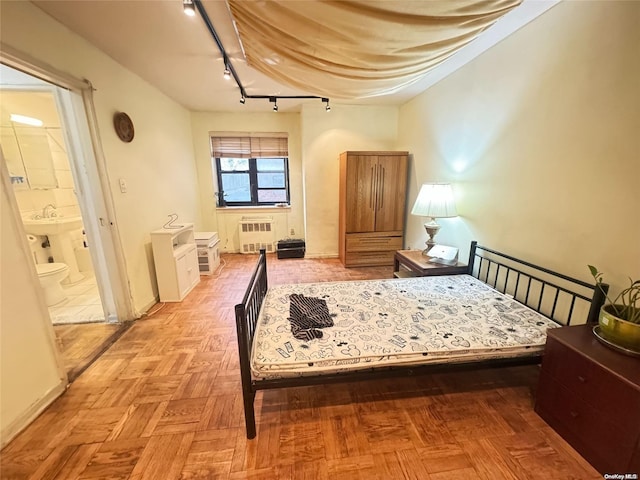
x=176, y=53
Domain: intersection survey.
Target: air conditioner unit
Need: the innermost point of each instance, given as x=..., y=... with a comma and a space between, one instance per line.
x=256, y=233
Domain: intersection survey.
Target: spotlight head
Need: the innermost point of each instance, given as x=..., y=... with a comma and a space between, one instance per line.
x=189, y=8
x=275, y=107
x=327, y=107
x=242, y=99
x=227, y=73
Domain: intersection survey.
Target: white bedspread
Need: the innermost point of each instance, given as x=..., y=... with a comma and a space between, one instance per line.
x=395, y=321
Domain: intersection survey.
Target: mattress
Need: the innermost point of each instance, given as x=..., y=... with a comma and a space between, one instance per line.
x=382, y=323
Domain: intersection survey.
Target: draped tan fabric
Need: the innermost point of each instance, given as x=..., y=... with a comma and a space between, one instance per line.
x=357, y=49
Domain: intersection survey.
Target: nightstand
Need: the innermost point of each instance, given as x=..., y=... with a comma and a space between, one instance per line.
x=590, y=395
x=418, y=265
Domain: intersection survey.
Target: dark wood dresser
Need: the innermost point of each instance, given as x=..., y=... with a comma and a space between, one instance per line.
x=590, y=395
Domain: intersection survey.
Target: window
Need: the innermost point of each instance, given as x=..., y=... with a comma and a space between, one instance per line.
x=251, y=171
x=252, y=181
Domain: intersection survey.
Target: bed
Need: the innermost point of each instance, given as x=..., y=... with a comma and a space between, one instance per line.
x=319, y=333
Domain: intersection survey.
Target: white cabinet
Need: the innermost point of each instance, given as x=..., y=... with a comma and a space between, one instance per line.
x=176, y=258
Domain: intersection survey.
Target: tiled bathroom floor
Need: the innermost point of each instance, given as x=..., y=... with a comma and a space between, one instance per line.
x=81, y=306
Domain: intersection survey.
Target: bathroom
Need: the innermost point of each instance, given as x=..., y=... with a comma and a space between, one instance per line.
x=35, y=153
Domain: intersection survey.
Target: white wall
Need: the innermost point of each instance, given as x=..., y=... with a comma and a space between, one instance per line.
x=324, y=137
x=157, y=165
x=160, y=172
x=316, y=139
x=539, y=136
x=29, y=365
x=225, y=220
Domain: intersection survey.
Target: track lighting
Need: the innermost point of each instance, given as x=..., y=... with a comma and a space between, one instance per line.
x=188, y=7
x=229, y=71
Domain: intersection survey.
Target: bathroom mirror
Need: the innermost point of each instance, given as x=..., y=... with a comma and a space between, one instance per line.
x=27, y=148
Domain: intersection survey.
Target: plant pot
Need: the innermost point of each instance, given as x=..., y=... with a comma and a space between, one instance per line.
x=618, y=331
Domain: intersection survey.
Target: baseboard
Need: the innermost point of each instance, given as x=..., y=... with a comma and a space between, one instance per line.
x=147, y=307
x=25, y=419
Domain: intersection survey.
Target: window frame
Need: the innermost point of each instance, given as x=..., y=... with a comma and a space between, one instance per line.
x=253, y=183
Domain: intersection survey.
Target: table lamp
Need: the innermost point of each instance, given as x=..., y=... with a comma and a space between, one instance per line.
x=435, y=200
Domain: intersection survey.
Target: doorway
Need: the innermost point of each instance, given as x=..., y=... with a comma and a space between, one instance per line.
x=40, y=171
x=45, y=144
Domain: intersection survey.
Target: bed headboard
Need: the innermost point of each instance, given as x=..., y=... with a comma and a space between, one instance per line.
x=564, y=299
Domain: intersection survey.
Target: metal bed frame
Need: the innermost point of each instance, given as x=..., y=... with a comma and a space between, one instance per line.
x=539, y=288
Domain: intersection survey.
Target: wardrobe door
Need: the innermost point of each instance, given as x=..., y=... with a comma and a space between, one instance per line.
x=391, y=186
x=361, y=185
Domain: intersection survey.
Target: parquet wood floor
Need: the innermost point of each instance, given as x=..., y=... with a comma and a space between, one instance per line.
x=164, y=402
x=82, y=343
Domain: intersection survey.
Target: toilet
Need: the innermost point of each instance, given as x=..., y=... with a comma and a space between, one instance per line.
x=50, y=276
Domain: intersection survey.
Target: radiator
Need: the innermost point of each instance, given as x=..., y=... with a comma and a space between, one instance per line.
x=256, y=233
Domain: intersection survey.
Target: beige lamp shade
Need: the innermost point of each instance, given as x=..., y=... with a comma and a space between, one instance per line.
x=435, y=200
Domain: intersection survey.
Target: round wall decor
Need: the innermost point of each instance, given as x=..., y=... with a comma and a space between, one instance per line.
x=124, y=126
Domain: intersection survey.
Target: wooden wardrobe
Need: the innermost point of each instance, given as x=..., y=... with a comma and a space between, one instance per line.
x=372, y=202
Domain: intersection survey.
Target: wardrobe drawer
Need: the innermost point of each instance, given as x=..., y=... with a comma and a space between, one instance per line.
x=366, y=259
x=592, y=382
x=367, y=242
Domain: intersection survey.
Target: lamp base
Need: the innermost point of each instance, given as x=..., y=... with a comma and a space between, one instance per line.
x=432, y=228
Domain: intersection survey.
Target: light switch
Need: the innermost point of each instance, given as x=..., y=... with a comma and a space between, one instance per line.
x=123, y=185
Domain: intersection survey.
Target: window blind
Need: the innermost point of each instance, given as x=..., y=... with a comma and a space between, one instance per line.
x=263, y=146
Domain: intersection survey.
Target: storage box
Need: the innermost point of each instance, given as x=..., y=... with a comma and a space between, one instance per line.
x=208, y=253
x=206, y=239
x=291, y=248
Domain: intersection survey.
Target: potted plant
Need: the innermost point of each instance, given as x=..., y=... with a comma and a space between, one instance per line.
x=619, y=320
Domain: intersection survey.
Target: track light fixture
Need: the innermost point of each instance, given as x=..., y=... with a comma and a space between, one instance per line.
x=227, y=71
x=188, y=7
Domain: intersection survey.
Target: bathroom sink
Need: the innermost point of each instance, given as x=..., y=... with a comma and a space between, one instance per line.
x=58, y=230
x=52, y=226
